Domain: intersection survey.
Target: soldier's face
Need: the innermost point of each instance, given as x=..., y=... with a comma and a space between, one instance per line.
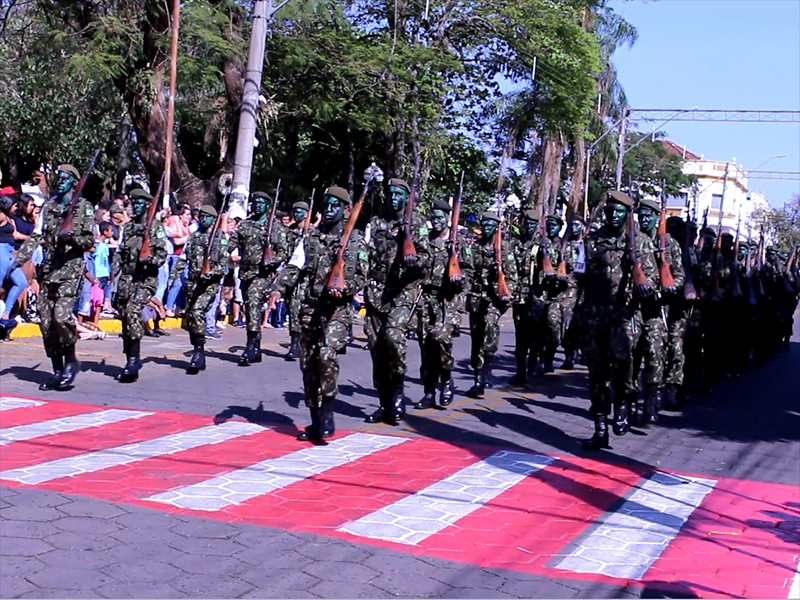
x=334, y=209
x=206, y=220
x=397, y=198
x=743, y=252
x=727, y=243
x=553, y=227
x=616, y=214
x=488, y=227
x=299, y=214
x=531, y=225
x=258, y=206
x=647, y=218
x=576, y=229
x=65, y=182
x=438, y=220
x=771, y=254
x=139, y=206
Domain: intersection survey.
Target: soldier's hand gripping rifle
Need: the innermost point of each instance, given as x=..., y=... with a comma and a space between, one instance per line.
x=336, y=281
x=144, y=251
x=689, y=291
x=409, y=251
x=502, y=285
x=736, y=284
x=453, y=265
x=267, y=259
x=66, y=227
x=212, y=238
x=664, y=268
x=641, y=287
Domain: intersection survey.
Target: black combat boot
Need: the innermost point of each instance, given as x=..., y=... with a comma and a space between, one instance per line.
x=621, y=424
x=327, y=424
x=600, y=438
x=71, y=368
x=671, y=397
x=257, y=347
x=248, y=356
x=521, y=376
x=198, y=360
x=650, y=415
x=397, y=403
x=377, y=415
x=58, y=366
x=569, y=361
x=548, y=367
x=479, y=388
x=130, y=372
x=294, y=347
x=456, y=331
x=429, y=399
x=312, y=433
x=448, y=389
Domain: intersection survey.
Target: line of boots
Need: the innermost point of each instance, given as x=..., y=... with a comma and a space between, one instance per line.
x=294, y=347
x=392, y=407
x=252, y=350
x=197, y=362
x=446, y=392
x=130, y=372
x=322, y=424
x=65, y=369
x=482, y=378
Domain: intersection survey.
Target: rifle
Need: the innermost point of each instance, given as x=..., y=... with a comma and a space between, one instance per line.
x=69, y=214
x=336, y=281
x=689, y=291
x=736, y=285
x=561, y=270
x=751, y=292
x=639, y=278
x=267, y=259
x=502, y=286
x=408, y=241
x=307, y=220
x=453, y=266
x=212, y=237
x=790, y=267
x=547, y=263
x=664, y=269
x=144, y=252
x=759, y=265
x=701, y=242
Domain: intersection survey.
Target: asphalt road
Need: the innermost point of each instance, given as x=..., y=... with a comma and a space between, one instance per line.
x=541, y=509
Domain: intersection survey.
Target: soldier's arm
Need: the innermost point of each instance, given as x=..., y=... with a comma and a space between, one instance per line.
x=467, y=262
x=359, y=278
x=647, y=258
x=158, y=246
x=280, y=246
x=84, y=237
x=28, y=247
x=422, y=245
x=286, y=280
x=510, y=268
x=675, y=256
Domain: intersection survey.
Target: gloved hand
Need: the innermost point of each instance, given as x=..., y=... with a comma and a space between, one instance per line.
x=643, y=291
x=669, y=290
x=411, y=260
x=66, y=236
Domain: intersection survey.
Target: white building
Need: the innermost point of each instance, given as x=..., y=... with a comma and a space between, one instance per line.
x=719, y=183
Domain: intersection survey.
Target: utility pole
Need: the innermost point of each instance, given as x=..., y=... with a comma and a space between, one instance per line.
x=173, y=72
x=621, y=148
x=248, y=118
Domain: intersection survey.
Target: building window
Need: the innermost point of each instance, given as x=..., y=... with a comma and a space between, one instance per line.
x=716, y=200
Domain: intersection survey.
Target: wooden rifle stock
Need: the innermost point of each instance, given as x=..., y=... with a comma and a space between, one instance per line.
x=69, y=214
x=547, y=264
x=336, y=279
x=689, y=290
x=561, y=269
x=267, y=259
x=664, y=268
x=502, y=285
x=453, y=265
x=736, y=285
x=144, y=252
x=212, y=237
x=408, y=241
x=639, y=278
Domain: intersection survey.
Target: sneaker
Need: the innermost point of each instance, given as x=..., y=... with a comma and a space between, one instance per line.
x=108, y=314
x=221, y=325
x=239, y=323
x=214, y=336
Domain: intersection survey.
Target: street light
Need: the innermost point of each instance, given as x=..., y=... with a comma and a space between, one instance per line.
x=765, y=162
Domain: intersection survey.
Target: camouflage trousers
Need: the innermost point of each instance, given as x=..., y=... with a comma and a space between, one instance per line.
x=456, y=308
x=254, y=294
x=648, y=335
x=130, y=300
x=524, y=333
x=56, y=310
x=295, y=305
x=386, y=338
x=434, y=334
x=321, y=338
x=484, y=328
x=570, y=328
x=200, y=296
x=553, y=319
x=693, y=348
x=608, y=352
x=675, y=360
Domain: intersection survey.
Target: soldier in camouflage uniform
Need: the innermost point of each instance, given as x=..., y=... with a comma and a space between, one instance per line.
x=293, y=301
x=61, y=275
x=201, y=288
x=608, y=289
x=657, y=331
x=484, y=303
x=393, y=287
x=138, y=279
x=552, y=289
x=250, y=237
x=525, y=249
x=434, y=321
x=571, y=299
x=325, y=314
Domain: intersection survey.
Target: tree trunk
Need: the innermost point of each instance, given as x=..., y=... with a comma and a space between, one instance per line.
x=576, y=189
x=551, y=171
x=531, y=169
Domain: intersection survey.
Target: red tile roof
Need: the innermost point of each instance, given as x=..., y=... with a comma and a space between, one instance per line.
x=674, y=148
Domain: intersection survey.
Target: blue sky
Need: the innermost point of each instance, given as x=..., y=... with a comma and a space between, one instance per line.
x=730, y=54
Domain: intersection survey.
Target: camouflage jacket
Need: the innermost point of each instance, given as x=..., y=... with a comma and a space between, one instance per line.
x=390, y=282
x=484, y=279
x=126, y=259
x=249, y=238
x=608, y=282
x=437, y=278
x=310, y=273
x=525, y=251
x=195, y=251
x=63, y=261
x=674, y=255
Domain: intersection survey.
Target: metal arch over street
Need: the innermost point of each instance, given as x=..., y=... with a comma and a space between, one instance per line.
x=730, y=115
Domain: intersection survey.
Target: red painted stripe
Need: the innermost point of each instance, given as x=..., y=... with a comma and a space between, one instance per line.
x=331, y=499
x=27, y=415
x=71, y=443
x=743, y=541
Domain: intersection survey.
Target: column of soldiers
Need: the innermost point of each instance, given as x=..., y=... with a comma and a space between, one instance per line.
x=652, y=316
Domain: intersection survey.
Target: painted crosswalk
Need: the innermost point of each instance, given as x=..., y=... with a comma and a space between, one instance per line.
x=558, y=516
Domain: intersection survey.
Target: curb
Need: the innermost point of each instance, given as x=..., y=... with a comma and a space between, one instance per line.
x=29, y=330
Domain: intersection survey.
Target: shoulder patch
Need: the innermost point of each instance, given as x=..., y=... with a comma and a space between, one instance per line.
x=423, y=230
x=468, y=250
x=223, y=240
x=362, y=255
x=88, y=210
x=160, y=233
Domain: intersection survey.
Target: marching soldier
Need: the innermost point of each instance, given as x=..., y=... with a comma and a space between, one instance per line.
x=293, y=301
x=393, y=288
x=434, y=310
x=525, y=249
x=572, y=298
x=61, y=275
x=679, y=314
x=139, y=278
x=608, y=289
x=203, y=282
x=553, y=288
x=325, y=315
x=485, y=303
x=254, y=273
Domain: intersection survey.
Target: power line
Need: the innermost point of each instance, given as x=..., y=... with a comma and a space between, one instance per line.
x=773, y=175
x=729, y=115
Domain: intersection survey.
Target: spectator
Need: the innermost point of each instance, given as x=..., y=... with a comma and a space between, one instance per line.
x=8, y=266
x=178, y=228
x=25, y=221
x=102, y=263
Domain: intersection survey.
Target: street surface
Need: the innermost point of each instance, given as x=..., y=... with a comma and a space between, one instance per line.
x=195, y=486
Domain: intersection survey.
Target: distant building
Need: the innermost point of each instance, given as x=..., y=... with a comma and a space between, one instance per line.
x=712, y=183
